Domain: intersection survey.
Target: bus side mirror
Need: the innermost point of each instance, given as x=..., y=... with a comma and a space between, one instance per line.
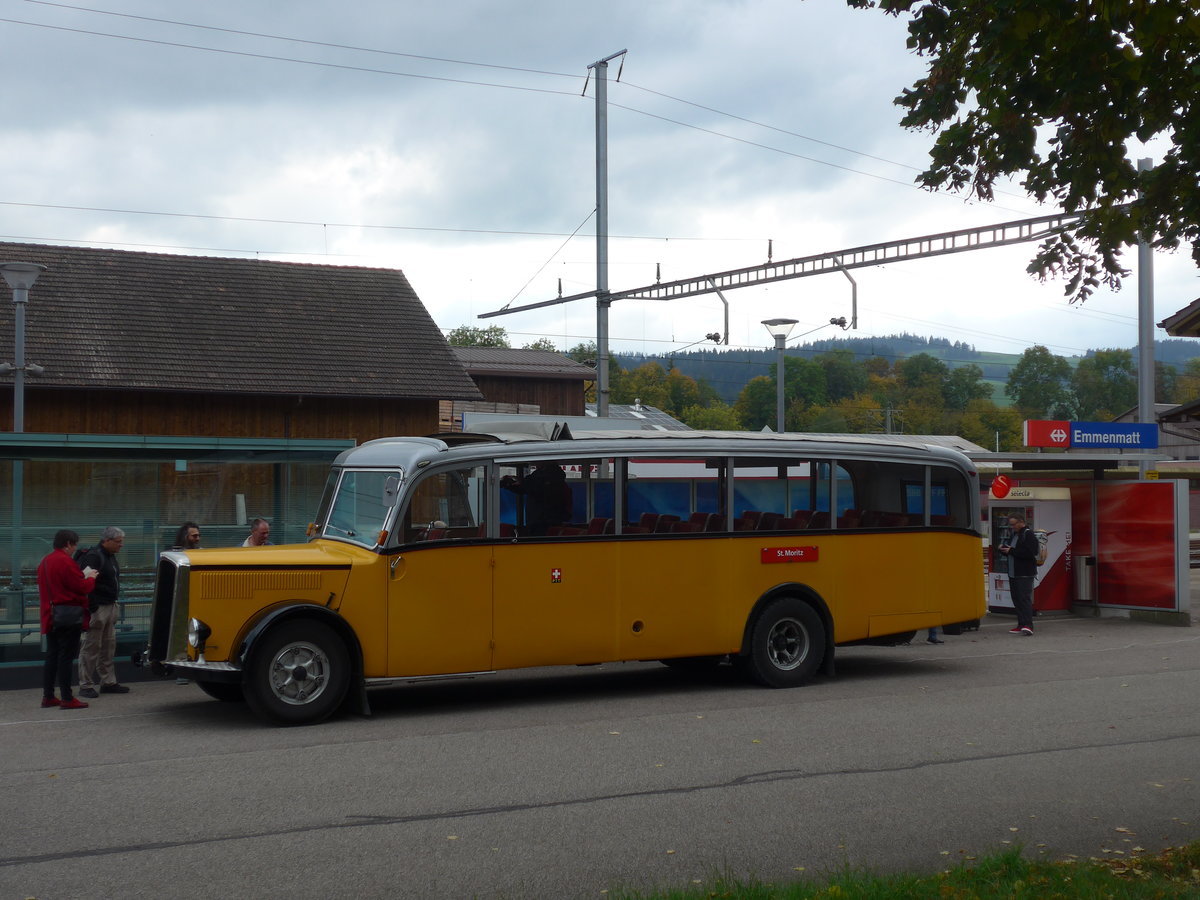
x=391, y=491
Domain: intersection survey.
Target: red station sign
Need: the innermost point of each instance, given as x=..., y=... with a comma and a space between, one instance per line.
x=1047, y=433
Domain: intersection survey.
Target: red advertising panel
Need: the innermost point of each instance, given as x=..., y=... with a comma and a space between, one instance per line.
x=1135, y=562
x=1047, y=433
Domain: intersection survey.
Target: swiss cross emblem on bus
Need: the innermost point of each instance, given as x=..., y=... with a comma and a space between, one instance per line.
x=789, y=554
x=556, y=576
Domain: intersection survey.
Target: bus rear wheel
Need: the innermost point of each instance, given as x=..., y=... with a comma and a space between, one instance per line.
x=299, y=674
x=787, y=644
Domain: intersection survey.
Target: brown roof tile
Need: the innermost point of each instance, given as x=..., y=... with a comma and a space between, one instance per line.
x=521, y=363
x=148, y=321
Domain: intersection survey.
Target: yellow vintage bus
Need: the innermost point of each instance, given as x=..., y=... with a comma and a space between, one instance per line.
x=469, y=553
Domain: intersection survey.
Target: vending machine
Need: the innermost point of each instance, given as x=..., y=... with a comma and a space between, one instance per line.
x=1047, y=512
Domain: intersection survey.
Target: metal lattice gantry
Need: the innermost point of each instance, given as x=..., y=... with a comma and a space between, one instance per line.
x=980, y=238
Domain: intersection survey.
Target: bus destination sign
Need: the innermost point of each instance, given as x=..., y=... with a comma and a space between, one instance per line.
x=789, y=554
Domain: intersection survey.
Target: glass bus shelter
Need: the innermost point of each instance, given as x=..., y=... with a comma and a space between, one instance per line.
x=147, y=486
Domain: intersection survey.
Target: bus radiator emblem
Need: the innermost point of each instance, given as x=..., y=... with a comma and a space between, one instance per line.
x=556, y=576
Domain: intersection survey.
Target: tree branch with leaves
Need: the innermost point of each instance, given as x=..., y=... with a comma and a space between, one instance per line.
x=1052, y=92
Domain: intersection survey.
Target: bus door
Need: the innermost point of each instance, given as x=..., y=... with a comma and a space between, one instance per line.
x=554, y=581
x=440, y=580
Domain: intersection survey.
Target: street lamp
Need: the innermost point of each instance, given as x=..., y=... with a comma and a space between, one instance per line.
x=779, y=329
x=20, y=277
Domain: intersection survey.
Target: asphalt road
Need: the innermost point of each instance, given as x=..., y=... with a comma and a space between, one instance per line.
x=1083, y=740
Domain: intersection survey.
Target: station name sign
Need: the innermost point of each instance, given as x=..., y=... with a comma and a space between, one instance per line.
x=1091, y=435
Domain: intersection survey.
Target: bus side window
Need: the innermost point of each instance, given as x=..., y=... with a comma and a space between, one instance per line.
x=665, y=495
x=447, y=505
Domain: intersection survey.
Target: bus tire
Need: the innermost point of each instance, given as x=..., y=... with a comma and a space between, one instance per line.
x=225, y=691
x=787, y=643
x=298, y=674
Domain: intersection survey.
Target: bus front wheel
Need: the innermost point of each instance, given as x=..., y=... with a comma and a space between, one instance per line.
x=786, y=644
x=299, y=673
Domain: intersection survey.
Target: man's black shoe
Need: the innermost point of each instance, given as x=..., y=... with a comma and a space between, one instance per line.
x=112, y=689
x=90, y=693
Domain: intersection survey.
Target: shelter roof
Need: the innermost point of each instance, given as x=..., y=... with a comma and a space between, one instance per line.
x=1185, y=323
x=122, y=320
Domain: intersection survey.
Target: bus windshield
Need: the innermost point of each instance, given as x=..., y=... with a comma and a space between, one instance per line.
x=356, y=506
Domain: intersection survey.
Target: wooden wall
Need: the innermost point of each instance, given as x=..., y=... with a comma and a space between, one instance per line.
x=553, y=398
x=215, y=415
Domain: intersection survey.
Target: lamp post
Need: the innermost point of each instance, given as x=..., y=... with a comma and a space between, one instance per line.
x=779, y=329
x=20, y=277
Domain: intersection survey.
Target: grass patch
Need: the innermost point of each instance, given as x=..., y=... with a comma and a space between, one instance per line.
x=1007, y=875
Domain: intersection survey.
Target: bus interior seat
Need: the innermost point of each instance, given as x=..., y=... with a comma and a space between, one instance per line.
x=851, y=518
x=769, y=521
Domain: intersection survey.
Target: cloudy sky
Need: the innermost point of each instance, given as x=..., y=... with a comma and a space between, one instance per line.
x=456, y=141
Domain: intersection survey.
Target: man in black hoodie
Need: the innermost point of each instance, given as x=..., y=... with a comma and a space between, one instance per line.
x=96, y=667
x=1021, y=550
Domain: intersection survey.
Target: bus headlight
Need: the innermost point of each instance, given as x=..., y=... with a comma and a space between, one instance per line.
x=197, y=634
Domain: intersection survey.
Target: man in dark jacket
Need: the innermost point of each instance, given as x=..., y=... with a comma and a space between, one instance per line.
x=1021, y=550
x=547, y=497
x=96, y=667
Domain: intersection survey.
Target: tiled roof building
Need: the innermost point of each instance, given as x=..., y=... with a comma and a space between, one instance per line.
x=272, y=343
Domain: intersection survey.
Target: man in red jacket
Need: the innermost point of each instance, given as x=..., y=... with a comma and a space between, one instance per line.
x=61, y=583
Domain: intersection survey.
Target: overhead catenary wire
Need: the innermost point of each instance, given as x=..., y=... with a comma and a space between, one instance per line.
x=442, y=60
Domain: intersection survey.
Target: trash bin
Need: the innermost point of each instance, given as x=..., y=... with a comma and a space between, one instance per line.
x=1085, y=579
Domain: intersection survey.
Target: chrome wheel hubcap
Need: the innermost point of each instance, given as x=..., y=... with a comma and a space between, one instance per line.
x=299, y=673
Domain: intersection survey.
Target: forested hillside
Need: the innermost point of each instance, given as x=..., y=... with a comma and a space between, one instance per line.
x=729, y=371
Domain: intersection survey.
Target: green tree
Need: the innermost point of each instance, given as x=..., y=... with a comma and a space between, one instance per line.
x=543, y=343
x=682, y=392
x=1052, y=92
x=803, y=381
x=755, y=405
x=986, y=424
x=1166, y=377
x=921, y=371
x=964, y=384
x=844, y=377
x=1040, y=384
x=1105, y=385
x=472, y=336
x=583, y=353
x=1187, y=383
x=717, y=417
x=647, y=384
